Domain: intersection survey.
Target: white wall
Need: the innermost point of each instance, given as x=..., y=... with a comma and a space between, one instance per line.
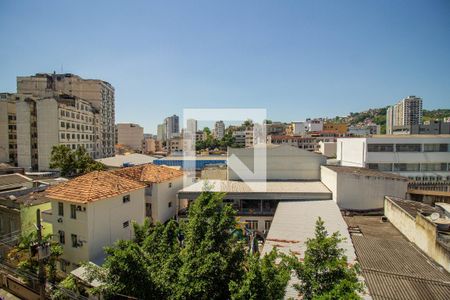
x=162, y=194
x=23, y=135
x=360, y=192
x=351, y=152
x=48, y=130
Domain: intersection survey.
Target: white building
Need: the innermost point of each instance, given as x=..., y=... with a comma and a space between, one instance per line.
x=219, y=130
x=161, y=185
x=419, y=157
x=91, y=212
x=327, y=148
x=191, y=126
x=406, y=112
x=131, y=135
x=314, y=125
x=357, y=188
x=299, y=128
x=172, y=127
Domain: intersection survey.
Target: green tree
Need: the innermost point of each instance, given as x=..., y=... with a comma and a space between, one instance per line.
x=324, y=273
x=73, y=162
x=212, y=256
x=264, y=279
x=69, y=288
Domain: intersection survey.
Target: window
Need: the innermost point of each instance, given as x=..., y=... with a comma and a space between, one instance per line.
x=408, y=147
x=252, y=224
x=386, y=167
x=73, y=211
x=126, y=199
x=74, y=240
x=434, y=167
x=380, y=148
x=126, y=224
x=267, y=224
x=170, y=204
x=63, y=136
x=406, y=167
x=63, y=124
x=60, y=209
x=170, y=184
x=435, y=147
x=62, y=237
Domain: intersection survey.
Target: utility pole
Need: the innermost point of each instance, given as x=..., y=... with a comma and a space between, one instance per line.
x=41, y=274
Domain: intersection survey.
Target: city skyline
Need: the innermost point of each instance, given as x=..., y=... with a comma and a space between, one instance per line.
x=298, y=60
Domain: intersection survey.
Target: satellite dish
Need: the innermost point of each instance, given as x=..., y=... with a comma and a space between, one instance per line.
x=434, y=216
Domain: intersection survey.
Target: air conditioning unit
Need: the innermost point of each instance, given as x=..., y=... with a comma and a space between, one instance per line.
x=60, y=220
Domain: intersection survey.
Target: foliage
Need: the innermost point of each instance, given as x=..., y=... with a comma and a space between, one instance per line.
x=264, y=279
x=197, y=259
x=437, y=114
x=73, y=162
x=324, y=273
x=67, y=286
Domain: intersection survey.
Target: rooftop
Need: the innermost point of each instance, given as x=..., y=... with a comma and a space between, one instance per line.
x=283, y=190
x=364, y=172
x=393, y=267
x=414, y=207
x=148, y=173
x=133, y=159
x=93, y=186
x=198, y=157
x=13, y=179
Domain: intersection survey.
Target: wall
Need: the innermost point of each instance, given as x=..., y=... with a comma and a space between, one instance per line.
x=106, y=218
x=328, y=148
x=28, y=218
x=261, y=220
x=48, y=130
x=418, y=230
x=351, y=152
x=162, y=194
x=23, y=135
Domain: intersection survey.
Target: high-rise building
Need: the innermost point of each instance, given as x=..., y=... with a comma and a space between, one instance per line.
x=219, y=130
x=191, y=126
x=31, y=126
x=172, y=126
x=406, y=112
x=97, y=92
x=131, y=135
x=161, y=132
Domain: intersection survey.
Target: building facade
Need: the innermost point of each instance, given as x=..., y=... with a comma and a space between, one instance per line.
x=172, y=126
x=406, y=112
x=131, y=135
x=419, y=157
x=219, y=130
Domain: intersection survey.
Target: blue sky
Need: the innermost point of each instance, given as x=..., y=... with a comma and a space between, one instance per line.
x=298, y=59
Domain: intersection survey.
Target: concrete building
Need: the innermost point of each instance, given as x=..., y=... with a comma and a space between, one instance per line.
x=239, y=138
x=219, y=130
x=172, y=127
x=99, y=93
x=283, y=163
x=127, y=160
x=276, y=128
x=310, y=143
x=56, y=120
x=362, y=189
x=161, y=185
x=162, y=134
x=327, y=149
x=91, y=212
x=364, y=130
x=191, y=126
x=406, y=112
x=151, y=145
x=131, y=135
x=418, y=157
x=8, y=128
x=431, y=127
x=314, y=125
x=426, y=226
x=298, y=128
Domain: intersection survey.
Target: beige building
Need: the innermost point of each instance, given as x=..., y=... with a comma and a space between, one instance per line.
x=33, y=126
x=162, y=183
x=98, y=92
x=406, y=112
x=91, y=212
x=150, y=145
x=131, y=135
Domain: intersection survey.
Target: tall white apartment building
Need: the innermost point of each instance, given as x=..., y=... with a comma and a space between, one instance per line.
x=97, y=92
x=219, y=130
x=34, y=126
x=131, y=135
x=419, y=157
x=191, y=126
x=91, y=212
x=406, y=112
x=172, y=127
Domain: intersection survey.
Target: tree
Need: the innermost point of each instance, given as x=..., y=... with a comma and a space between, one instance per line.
x=71, y=163
x=212, y=256
x=264, y=279
x=69, y=288
x=324, y=273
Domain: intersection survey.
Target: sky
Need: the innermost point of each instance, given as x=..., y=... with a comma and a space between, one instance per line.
x=297, y=59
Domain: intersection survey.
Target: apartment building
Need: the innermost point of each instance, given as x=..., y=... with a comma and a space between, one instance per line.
x=303, y=142
x=172, y=127
x=276, y=128
x=91, y=212
x=36, y=125
x=239, y=138
x=219, y=130
x=191, y=126
x=419, y=157
x=99, y=93
x=161, y=185
x=406, y=112
x=131, y=135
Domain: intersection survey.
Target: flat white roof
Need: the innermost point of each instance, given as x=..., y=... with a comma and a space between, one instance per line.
x=295, y=190
x=119, y=160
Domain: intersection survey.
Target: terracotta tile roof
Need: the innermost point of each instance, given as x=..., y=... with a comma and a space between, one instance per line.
x=93, y=186
x=148, y=173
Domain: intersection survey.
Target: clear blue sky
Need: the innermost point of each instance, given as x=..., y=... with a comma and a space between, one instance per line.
x=298, y=59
